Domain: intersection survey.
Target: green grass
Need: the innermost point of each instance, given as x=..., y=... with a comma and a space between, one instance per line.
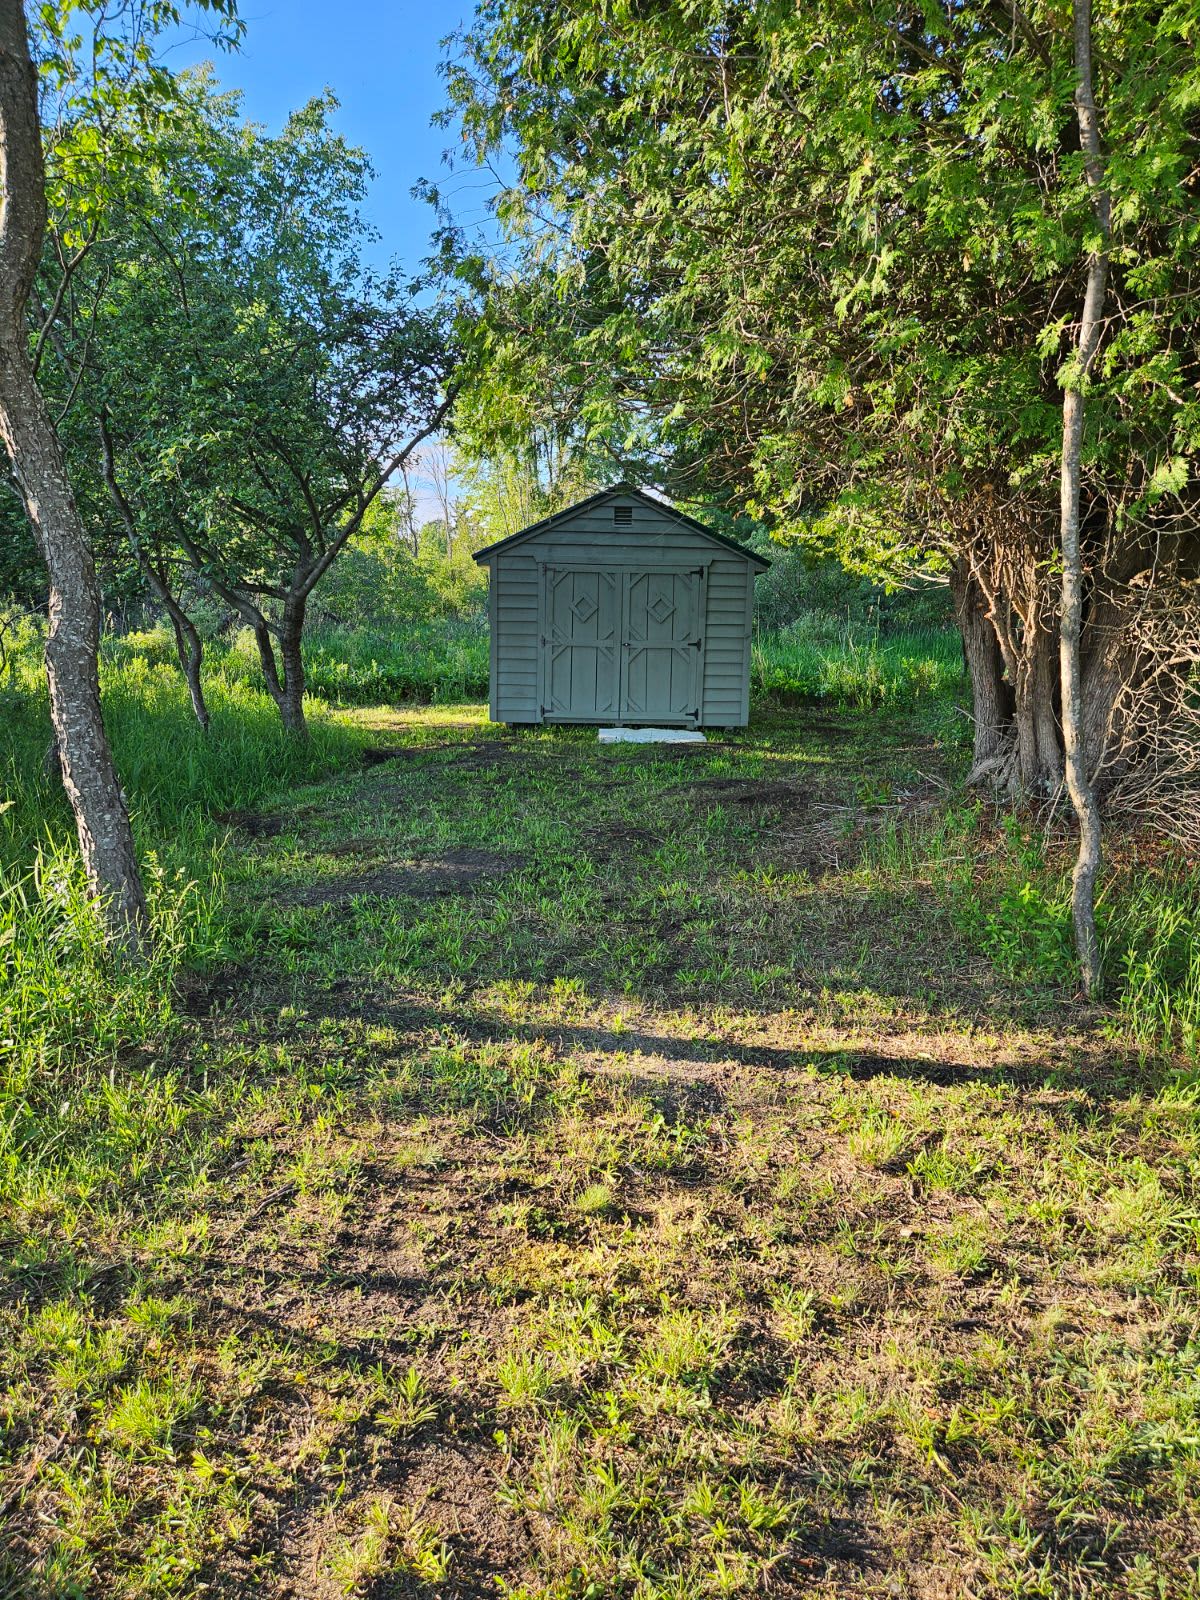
x=171, y=771
x=65, y=1003
x=814, y=660
x=439, y=661
x=709, y=1189
x=1009, y=884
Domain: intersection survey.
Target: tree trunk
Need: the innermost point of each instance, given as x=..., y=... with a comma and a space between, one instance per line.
x=1113, y=671
x=285, y=687
x=189, y=647
x=1039, y=749
x=72, y=645
x=1079, y=784
x=291, y=702
x=991, y=698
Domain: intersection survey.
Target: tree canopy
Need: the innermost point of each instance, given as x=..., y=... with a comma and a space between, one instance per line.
x=257, y=385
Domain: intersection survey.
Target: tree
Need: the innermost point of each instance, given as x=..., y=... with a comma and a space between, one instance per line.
x=94, y=82
x=256, y=387
x=833, y=286
x=1078, y=778
x=154, y=563
x=89, y=776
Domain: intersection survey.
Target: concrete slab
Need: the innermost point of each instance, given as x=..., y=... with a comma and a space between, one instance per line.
x=651, y=736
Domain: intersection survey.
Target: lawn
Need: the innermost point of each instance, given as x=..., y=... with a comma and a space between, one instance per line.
x=568, y=1171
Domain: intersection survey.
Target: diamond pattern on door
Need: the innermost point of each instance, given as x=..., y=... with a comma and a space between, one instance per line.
x=579, y=660
x=663, y=647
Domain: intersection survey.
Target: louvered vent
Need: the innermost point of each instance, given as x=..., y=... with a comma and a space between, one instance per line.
x=623, y=516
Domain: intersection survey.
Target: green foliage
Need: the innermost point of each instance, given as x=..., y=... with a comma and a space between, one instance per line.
x=835, y=284
x=169, y=767
x=377, y=585
x=258, y=382
x=1011, y=890
x=444, y=659
x=797, y=585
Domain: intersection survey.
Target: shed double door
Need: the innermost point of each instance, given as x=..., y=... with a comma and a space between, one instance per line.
x=622, y=646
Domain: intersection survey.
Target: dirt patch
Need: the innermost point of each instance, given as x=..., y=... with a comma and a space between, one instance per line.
x=452, y=752
x=487, y=753
x=351, y=847
x=678, y=1100
x=771, y=793
x=234, y=987
x=254, y=824
x=611, y=838
x=455, y=1489
x=455, y=872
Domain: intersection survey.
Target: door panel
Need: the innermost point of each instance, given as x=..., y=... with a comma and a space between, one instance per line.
x=579, y=649
x=662, y=646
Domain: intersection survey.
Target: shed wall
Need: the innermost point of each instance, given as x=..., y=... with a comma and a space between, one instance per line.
x=591, y=537
x=515, y=581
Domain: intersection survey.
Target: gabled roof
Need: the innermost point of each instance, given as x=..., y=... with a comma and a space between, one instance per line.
x=625, y=491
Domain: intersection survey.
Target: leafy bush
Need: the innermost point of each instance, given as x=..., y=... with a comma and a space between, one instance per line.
x=380, y=583
x=797, y=587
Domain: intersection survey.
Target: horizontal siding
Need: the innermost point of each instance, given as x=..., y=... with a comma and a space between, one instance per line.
x=517, y=581
x=623, y=552
x=725, y=695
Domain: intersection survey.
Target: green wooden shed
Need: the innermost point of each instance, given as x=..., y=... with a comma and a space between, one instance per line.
x=623, y=611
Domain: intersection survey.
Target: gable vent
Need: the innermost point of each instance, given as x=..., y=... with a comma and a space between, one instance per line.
x=623, y=516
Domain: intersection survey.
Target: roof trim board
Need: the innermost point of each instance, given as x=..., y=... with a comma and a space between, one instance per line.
x=621, y=489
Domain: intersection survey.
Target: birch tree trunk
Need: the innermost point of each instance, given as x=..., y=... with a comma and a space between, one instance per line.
x=1079, y=783
x=72, y=645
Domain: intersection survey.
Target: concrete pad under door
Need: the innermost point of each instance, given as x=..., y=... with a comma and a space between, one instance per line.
x=651, y=736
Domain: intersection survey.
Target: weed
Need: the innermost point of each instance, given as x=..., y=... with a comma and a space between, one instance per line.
x=409, y=1405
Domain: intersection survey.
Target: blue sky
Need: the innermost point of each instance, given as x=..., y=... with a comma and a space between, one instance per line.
x=380, y=57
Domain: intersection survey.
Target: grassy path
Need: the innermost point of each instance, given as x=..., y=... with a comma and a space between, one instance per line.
x=598, y=1175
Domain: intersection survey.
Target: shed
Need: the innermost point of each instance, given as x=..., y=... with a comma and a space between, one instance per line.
x=621, y=610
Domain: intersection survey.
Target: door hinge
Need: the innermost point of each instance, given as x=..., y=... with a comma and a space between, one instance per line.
x=694, y=644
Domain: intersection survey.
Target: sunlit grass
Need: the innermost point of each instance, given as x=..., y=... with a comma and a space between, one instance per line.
x=711, y=1202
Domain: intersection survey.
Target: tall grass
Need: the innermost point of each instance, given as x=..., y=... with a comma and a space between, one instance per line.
x=814, y=659
x=446, y=660
x=64, y=1001
x=172, y=771
x=1010, y=887
x=418, y=662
